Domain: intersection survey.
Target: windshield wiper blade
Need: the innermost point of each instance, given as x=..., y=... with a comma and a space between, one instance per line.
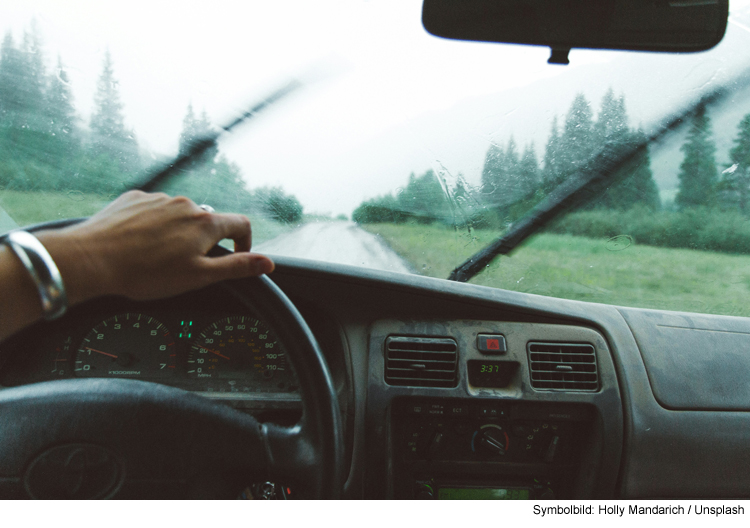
x=198, y=148
x=588, y=184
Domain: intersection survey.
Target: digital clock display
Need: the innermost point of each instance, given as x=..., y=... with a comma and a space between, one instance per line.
x=491, y=374
x=484, y=494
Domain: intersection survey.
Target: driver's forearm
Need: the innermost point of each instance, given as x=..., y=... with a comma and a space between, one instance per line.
x=20, y=304
x=19, y=300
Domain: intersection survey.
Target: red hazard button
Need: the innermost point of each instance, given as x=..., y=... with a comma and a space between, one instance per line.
x=491, y=344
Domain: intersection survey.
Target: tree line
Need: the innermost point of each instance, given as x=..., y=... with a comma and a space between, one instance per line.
x=46, y=146
x=513, y=179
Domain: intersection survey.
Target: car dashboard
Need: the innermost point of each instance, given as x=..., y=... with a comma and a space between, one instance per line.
x=200, y=342
x=447, y=390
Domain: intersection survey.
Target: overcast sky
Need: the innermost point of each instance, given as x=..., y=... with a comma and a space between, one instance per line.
x=399, y=100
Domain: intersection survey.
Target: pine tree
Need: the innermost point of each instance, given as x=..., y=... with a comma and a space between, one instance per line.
x=577, y=142
x=423, y=198
x=60, y=112
x=637, y=186
x=635, y=181
x=35, y=78
x=612, y=130
x=107, y=120
x=612, y=121
x=188, y=133
x=193, y=130
x=503, y=180
x=569, y=151
x=110, y=136
x=698, y=175
x=552, y=159
x=493, y=175
x=21, y=87
x=10, y=62
x=204, y=126
x=528, y=171
x=511, y=158
x=736, y=181
x=213, y=179
x=740, y=153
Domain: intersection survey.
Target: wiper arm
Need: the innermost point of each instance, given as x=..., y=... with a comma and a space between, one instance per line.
x=199, y=147
x=587, y=185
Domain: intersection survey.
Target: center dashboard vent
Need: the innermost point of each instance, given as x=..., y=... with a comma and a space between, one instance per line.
x=566, y=366
x=421, y=361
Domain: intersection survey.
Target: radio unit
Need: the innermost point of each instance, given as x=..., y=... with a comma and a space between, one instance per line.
x=485, y=449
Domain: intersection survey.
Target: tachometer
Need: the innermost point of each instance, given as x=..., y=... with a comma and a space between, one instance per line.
x=244, y=349
x=127, y=346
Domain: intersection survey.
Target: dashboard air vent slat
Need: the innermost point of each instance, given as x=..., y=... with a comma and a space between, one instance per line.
x=564, y=366
x=421, y=361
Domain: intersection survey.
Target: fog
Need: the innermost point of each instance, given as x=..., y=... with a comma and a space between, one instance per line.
x=400, y=101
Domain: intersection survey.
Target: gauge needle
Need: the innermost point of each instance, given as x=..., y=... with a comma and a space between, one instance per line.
x=215, y=352
x=100, y=352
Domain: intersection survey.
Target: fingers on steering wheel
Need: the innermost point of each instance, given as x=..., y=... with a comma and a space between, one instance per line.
x=241, y=263
x=236, y=266
x=234, y=226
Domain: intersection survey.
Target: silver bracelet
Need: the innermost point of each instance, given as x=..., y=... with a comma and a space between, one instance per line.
x=38, y=262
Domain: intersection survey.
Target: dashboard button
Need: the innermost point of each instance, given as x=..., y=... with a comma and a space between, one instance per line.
x=491, y=411
x=491, y=344
x=416, y=408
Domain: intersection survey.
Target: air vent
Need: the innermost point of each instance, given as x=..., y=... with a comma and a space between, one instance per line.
x=563, y=366
x=421, y=361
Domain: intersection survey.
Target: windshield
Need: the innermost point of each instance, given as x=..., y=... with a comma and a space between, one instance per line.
x=401, y=151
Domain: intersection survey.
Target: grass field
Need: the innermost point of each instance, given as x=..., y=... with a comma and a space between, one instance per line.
x=32, y=207
x=586, y=269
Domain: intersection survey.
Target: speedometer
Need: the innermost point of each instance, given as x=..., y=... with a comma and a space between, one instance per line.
x=242, y=349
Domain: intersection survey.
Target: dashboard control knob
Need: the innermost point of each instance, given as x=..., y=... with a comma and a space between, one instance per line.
x=490, y=439
x=549, y=455
x=436, y=444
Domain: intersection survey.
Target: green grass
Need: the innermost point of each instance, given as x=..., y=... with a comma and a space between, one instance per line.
x=32, y=207
x=585, y=269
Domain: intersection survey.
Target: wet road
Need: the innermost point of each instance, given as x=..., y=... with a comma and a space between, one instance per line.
x=340, y=242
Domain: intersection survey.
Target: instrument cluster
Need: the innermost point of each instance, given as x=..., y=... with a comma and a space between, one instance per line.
x=198, y=351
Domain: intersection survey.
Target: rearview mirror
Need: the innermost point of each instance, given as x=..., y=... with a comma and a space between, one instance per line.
x=642, y=25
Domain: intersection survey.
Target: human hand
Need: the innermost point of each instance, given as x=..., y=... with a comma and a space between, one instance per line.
x=149, y=246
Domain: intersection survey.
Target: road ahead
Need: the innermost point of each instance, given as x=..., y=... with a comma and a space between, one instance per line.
x=340, y=242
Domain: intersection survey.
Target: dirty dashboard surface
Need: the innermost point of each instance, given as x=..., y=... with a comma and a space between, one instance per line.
x=447, y=390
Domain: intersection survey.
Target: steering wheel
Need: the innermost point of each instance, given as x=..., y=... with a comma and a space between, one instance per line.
x=101, y=438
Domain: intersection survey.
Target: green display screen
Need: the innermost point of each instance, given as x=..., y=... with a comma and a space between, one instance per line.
x=492, y=374
x=483, y=494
